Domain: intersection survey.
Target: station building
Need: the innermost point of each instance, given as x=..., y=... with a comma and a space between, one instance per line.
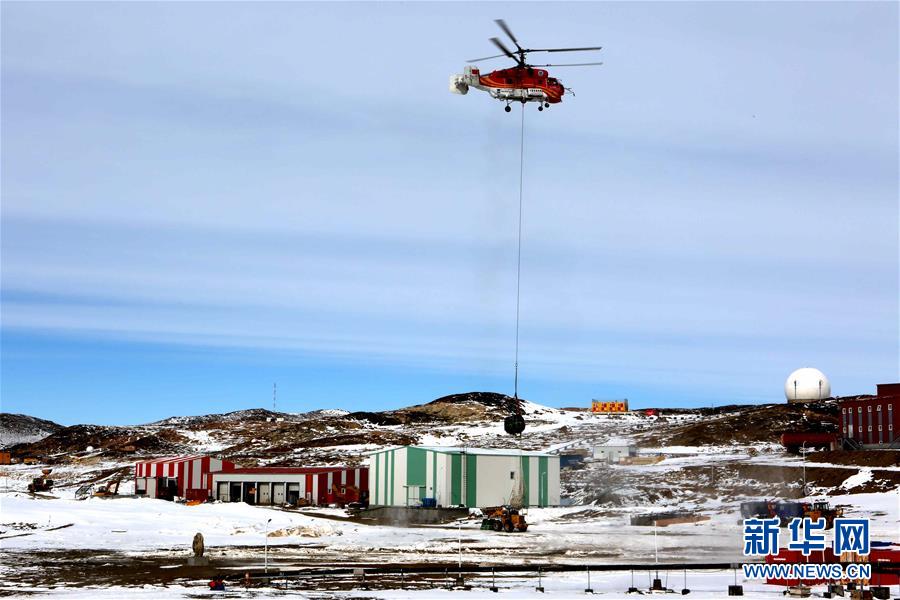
x=872, y=422
x=177, y=476
x=471, y=477
x=274, y=486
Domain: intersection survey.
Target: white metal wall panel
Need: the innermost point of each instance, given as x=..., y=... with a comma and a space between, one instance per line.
x=553, y=481
x=442, y=485
x=492, y=478
x=196, y=468
x=534, y=487
x=370, y=462
x=399, y=474
x=383, y=477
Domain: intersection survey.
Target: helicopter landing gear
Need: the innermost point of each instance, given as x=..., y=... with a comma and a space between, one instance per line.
x=507, y=108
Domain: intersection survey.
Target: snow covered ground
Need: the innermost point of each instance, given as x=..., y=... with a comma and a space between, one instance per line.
x=144, y=528
x=53, y=544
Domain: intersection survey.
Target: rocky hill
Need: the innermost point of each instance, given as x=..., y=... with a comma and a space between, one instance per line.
x=749, y=424
x=473, y=419
x=23, y=429
x=709, y=454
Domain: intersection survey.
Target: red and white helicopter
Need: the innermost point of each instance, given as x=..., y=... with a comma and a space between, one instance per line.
x=521, y=83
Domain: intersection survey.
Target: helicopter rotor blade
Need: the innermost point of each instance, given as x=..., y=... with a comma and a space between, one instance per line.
x=504, y=49
x=502, y=25
x=571, y=65
x=486, y=58
x=586, y=49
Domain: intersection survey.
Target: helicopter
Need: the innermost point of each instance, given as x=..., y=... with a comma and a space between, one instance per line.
x=521, y=83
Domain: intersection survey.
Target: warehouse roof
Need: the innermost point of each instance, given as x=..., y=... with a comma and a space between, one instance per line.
x=481, y=451
x=617, y=442
x=288, y=470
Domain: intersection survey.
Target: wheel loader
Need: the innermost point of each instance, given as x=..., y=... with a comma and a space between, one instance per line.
x=503, y=518
x=822, y=509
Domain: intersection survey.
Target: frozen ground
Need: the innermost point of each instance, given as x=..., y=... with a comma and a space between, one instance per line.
x=705, y=585
x=42, y=535
x=129, y=547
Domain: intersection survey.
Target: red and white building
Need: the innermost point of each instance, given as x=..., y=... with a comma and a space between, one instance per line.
x=292, y=485
x=873, y=422
x=182, y=476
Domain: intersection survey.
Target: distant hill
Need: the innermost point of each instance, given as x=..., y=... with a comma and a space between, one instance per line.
x=258, y=433
x=259, y=436
x=23, y=429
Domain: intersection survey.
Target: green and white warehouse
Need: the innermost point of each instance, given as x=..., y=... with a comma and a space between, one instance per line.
x=472, y=477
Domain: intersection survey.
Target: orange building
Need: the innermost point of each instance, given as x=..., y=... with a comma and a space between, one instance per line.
x=609, y=406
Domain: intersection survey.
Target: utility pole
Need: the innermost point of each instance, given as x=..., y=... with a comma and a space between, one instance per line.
x=266, y=560
x=803, y=450
x=274, y=396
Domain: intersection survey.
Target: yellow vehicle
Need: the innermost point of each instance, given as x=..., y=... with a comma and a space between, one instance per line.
x=503, y=518
x=821, y=509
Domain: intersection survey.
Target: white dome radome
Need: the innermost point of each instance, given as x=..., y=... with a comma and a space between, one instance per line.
x=806, y=384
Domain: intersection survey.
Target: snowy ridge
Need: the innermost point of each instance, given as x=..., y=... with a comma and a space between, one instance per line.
x=24, y=429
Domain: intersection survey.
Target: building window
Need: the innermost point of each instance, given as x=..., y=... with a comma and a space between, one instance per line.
x=512, y=474
x=859, y=429
x=879, y=428
x=870, y=408
x=870, y=428
x=890, y=426
x=844, y=410
x=859, y=409
x=879, y=408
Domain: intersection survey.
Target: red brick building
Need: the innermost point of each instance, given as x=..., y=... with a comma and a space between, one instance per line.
x=873, y=422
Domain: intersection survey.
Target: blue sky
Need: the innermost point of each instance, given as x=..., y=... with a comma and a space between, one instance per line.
x=200, y=199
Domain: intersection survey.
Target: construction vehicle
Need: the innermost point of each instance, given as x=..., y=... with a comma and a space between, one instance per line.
x=342, y=495
x=822, y=510
x=362, y=503
x=503, y=518
x=109, y=489
x=787, y=511
x=41, y=484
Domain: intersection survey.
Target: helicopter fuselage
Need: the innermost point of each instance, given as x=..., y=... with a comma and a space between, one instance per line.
x=515, y=84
